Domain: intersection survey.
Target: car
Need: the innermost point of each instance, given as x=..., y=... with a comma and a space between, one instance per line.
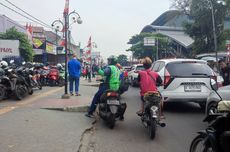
x=185, y=80
x=222, y=94
x=133, y=74
x=127, y=68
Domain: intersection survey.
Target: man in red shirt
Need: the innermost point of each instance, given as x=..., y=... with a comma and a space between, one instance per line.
x=148, y=80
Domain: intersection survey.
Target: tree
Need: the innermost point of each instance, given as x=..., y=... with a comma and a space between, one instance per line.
x=123, y=60
x=201, y=30
x=182, y=5
x=25, y=48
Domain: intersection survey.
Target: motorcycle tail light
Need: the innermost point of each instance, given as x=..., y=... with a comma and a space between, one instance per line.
x=112, y=94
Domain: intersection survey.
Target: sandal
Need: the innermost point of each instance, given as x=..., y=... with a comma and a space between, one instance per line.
x=139, y=113
x=77, y=94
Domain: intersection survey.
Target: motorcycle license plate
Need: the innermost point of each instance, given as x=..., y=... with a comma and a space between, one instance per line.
x=113, y=102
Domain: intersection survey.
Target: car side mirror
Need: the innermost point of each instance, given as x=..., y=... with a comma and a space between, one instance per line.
x=214, y=84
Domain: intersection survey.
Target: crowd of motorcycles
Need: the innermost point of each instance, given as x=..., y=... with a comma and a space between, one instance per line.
x=18, y=81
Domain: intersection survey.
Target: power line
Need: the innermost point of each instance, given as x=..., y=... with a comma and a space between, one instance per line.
x=27, y=13
x=23, y=15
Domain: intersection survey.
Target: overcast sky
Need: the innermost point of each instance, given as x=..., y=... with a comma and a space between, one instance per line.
x=111, y=23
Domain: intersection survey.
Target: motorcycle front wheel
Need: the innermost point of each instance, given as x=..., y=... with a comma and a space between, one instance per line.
x=20, y=91
x=152, y=128
x=2, y=92
x=198, y=145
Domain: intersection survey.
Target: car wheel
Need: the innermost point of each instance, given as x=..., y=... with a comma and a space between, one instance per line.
x=202, y=105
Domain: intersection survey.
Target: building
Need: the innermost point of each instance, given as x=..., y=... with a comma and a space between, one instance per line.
x=7, y=23
x=170, y=24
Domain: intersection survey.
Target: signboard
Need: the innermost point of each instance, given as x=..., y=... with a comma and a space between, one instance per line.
x=9, y=48
x=50, y=48
x=149, y=41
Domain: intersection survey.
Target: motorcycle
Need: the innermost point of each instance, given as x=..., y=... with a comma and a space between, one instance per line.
x=111, y=107
x=35, y=78
x=13, y=84
x=151, y=116
x=43, y=75
x=216, y=137
x=61, y=80
x=53, y=76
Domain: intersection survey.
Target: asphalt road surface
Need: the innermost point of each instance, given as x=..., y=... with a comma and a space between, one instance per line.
x=183, y=121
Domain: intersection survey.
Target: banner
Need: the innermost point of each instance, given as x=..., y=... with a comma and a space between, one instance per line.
x=50, y=48
x=38, y=43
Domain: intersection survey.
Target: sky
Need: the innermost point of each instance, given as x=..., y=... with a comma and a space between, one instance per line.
x=111, y=23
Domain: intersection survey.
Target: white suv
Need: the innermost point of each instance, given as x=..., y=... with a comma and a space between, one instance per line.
x=133, y=74
x=186, y=80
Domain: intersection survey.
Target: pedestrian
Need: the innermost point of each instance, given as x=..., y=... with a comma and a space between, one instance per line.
x=224, y=72
x=74, y=68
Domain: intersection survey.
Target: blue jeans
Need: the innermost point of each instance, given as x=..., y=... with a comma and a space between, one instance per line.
x=96, y=98
x=72, y=80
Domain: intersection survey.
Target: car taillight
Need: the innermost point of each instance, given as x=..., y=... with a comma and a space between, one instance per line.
x=126, y=74
x=167, y=79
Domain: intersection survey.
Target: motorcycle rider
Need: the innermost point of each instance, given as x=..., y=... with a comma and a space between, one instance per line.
x=149, y=80
x=111, y=76
x=225, y=72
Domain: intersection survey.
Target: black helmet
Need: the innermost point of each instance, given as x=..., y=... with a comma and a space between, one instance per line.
x=112, y=60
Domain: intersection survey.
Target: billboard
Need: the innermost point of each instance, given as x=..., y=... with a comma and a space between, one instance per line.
x=9, y=48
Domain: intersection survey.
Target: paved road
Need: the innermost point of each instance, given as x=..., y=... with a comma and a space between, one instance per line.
x=183, y=120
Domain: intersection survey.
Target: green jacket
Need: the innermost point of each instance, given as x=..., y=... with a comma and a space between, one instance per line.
x=111, y=76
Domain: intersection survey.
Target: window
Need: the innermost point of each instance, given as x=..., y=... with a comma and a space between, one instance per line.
x=156, y=66
x=189, y=69
x=162, y=64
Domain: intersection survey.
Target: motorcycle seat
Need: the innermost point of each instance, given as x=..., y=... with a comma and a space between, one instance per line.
x=224, y=106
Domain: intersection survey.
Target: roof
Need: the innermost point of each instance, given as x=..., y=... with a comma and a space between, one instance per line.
x=179, y=36
x=180, y=60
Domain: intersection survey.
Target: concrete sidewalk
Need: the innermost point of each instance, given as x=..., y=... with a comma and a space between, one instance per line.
x=74, y=103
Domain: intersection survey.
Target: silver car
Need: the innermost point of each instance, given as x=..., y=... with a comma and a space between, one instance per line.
x=214, y=97
x=185, y=80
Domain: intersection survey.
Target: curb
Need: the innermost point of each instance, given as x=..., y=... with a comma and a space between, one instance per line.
x=93, y=85
x=81, y=108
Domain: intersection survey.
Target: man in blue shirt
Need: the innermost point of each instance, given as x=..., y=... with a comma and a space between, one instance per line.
x=74, y=69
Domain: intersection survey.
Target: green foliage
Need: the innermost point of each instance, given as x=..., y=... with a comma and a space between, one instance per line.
x=140, y=51
x=201, y=30
x=25, y=48
x=123, y=59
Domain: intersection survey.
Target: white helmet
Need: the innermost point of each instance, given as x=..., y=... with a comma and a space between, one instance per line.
x=59, y=65
x=3, y=64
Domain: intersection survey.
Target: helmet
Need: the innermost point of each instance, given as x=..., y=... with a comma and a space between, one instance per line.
x=119, y=66
x=3, y=64
x=59, y=66
x=112, y=60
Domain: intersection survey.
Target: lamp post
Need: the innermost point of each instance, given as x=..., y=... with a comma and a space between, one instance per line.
x=76, y=18
x=214, y=28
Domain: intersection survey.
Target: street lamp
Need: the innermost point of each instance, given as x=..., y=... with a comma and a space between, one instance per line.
x=76, y=19
x=214, y=27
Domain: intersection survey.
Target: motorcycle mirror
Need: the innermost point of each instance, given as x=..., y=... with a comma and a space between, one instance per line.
x=11, y=61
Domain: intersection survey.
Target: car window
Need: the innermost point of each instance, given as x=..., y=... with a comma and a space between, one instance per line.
x=156, y=66
x=162, y=64
x=189, y=69
x=140, y=68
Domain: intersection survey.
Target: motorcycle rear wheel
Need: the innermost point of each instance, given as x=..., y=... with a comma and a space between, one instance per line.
x=199, y=140
x=152, y=128
x=111, y=121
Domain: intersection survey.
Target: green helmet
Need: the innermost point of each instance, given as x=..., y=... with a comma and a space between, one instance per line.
x=112, y=60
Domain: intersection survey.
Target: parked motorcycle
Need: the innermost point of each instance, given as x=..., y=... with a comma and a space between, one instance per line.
x=53, y=76
x=216, y=137
x=111, y=108
x=35, y=78
x=151, y=116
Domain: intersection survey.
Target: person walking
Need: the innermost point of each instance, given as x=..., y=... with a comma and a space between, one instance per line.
x=225, y=72
x=74, y=69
